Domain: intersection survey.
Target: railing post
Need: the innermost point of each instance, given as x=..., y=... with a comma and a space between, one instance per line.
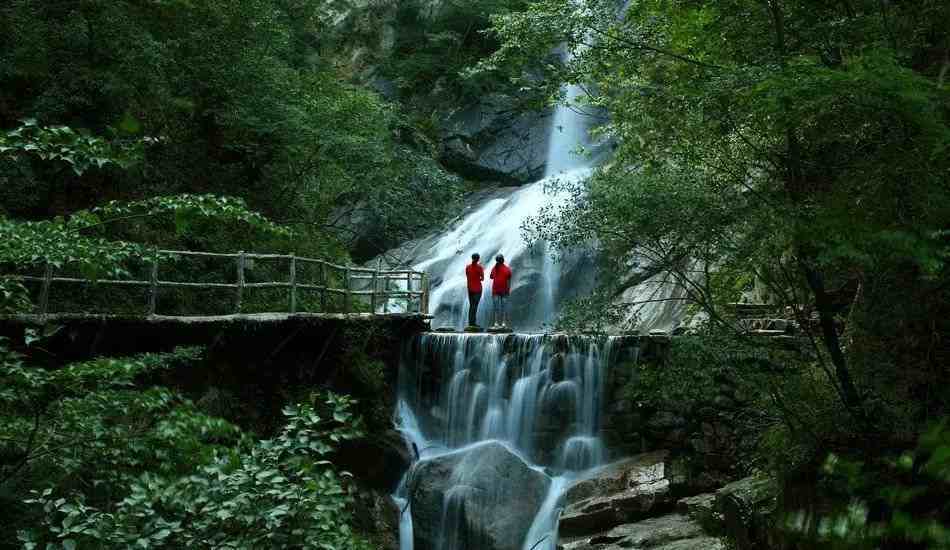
x=293, y=284
x=240, y=282
x=347, y=297
x=324, y=285
x=379, y=265
x=153, y=287
x=44, y=290
x=409, y=291
x=424, y=301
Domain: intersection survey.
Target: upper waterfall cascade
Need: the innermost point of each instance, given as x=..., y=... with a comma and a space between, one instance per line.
x=496, y=227
x=543, y=278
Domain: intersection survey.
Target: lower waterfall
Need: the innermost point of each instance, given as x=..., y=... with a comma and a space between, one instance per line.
x=500, y=426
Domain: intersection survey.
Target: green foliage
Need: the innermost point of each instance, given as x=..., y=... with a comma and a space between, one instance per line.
x=596, y=313
x=79, y=150
x=109, y=462
x=14, y=297
x=279, y=493
x=276, y=494
x=708, y=361
x=87, y=415
x=66, y=242
x=893, y=501
x=436, y=42
x=701, y=124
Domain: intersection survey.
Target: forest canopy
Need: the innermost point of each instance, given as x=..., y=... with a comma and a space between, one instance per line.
x=237, y=98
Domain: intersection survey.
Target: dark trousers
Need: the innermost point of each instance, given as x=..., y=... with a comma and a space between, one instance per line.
x=473, y=299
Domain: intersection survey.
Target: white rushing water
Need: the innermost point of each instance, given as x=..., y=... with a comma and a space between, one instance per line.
x=541, y=396
x=495, y=227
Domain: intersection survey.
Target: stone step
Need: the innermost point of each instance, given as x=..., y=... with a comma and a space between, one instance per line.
x=768, y=323
x=767, y=333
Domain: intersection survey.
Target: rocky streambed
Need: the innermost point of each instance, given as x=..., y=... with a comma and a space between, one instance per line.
x=644, y=502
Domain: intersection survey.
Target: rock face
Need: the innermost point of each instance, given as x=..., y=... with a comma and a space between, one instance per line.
x=705, y=429
x=481, y=498
x=623, y=492
x=495, y=141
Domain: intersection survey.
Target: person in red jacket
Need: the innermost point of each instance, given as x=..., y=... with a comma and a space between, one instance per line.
x=500, y=289
x=475, y=275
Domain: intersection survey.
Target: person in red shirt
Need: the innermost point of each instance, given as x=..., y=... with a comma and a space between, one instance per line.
x=475, y=275
x=500, y=289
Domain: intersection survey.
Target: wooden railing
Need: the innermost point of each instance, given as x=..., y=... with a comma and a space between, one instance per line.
x=405, y=291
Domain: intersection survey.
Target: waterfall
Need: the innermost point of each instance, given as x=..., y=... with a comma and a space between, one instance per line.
x=568, y=133
x=539, y=395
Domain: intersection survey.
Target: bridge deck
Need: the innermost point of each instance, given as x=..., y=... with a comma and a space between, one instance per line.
x=265, y=318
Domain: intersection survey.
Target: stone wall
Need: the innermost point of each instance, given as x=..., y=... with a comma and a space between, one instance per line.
x=700, y=435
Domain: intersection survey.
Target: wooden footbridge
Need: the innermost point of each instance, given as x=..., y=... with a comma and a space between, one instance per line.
x=309, y=288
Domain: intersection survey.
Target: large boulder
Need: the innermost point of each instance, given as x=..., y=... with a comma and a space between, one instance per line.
x=619, y=493
x=670, y=532
x=746, y=507
x=481, y=498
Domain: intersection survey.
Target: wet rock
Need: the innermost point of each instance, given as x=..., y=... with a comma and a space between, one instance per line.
x=556, y=367
x=702, y=510
x=378, y=462
x=746, y=506
x=619, y=493
x=492, y=497
x=670, y=532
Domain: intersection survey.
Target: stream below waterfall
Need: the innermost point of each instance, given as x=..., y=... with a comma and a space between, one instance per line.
x=501, y=425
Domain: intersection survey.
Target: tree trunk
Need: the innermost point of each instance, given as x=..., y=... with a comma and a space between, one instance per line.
x=829, y=336
x=795, y=188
